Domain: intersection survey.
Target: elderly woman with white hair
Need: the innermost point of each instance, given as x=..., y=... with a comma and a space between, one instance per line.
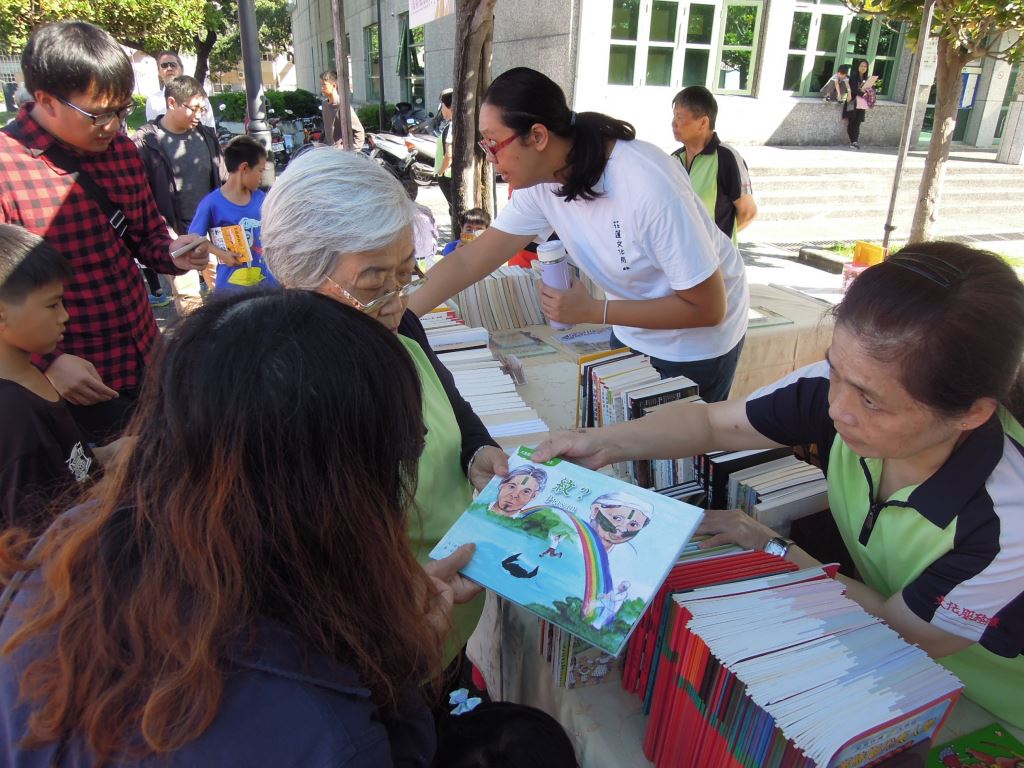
x=337, y=223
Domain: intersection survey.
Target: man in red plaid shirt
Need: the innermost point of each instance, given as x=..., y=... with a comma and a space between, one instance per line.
x=82, y=84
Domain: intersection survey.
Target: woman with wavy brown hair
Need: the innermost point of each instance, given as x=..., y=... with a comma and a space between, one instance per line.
x=241, y=589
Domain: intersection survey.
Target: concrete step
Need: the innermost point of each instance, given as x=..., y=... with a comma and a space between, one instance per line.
x=1006, y=198
x=995, y=211
x=882, y=179
x=824, y=168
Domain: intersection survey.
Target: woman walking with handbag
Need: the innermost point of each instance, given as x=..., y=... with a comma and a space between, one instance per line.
x=855, y=109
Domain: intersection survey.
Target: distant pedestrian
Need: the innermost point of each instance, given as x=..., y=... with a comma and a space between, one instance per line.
x=862, y=98
x=717, y=171
x=183, y=165
x=231, y=215
x=332, y=116
x=168, y=67
x=443, y=153
x=838, y=86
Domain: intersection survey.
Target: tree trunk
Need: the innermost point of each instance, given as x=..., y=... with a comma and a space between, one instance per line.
x=472, y=175
x=947, y=97
x=341, y=66
x=203, y=48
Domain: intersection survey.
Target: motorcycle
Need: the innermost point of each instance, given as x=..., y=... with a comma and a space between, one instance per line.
x=313, y=128
x=419, y=131
x=391, y=154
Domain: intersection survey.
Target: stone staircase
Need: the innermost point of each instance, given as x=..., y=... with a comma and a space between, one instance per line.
x=838, y=194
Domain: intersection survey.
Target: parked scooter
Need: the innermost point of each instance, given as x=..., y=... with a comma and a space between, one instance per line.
x=391, y=153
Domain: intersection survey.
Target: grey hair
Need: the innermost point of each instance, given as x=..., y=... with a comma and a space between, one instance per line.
x=329, y=203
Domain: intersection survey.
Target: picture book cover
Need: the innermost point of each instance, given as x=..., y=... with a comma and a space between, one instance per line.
x=232, y=238
x=991, y=747
x=582, y=550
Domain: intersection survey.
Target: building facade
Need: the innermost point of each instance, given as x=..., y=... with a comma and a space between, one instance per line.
x=764, y=60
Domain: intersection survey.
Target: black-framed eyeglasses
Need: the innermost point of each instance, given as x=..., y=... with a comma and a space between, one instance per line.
x=169, y=65
x=103, y=118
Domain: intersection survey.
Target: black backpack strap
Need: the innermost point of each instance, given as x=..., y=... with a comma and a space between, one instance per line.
x=67, y=162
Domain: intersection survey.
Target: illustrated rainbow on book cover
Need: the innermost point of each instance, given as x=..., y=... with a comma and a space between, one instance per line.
x=580, y=549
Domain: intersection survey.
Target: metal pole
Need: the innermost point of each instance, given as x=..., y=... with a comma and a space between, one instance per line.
x=908, y=119
x=256, y=104
x=380, y=67
x=341, y=64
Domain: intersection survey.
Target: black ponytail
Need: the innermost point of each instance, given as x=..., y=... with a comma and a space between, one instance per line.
x=526, y=98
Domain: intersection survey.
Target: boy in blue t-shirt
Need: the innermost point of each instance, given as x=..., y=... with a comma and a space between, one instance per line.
x=230, y=217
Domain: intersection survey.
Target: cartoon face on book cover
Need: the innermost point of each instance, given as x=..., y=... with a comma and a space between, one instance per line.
x=583, y=550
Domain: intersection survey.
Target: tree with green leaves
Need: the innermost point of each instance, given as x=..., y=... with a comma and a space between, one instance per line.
x=148, y=25
x=219, y=49
x=966, y=30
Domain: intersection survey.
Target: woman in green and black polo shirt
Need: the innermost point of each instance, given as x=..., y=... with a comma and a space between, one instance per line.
x=916, y=416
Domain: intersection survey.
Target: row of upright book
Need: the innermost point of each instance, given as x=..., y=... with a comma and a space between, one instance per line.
x=771, y=485
x=508, y=298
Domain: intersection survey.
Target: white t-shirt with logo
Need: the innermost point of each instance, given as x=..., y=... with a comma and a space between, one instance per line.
x=645, y=237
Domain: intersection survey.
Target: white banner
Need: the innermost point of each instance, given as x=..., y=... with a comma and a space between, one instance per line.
x=422, y=11
x=929, y=60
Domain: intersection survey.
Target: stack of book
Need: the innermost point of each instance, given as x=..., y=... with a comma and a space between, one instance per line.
x=769, y=484
x=743, y=660
x=778, y=491
x=482, y=380
x=505, y=299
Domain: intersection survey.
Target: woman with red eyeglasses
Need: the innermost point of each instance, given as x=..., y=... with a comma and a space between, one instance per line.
x=675, y=286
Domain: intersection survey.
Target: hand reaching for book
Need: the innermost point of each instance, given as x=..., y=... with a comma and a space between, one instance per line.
x=733, y=526
x=584, y=447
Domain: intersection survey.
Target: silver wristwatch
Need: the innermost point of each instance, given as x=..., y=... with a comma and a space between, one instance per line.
x=777, y=546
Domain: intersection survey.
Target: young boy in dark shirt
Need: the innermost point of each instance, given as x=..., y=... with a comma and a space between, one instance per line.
x=42, y=451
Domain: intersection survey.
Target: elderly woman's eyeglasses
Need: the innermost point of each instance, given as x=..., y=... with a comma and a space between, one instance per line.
x=375, y=306
x=492, y=148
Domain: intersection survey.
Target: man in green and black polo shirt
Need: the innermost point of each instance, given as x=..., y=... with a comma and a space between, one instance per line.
x=717, y=172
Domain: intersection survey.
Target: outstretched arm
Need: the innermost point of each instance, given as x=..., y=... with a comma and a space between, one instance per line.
x=676, y=430
x=465, y=266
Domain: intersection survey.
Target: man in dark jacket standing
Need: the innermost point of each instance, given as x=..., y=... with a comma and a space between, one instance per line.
x=332, y=117
x=183, y=165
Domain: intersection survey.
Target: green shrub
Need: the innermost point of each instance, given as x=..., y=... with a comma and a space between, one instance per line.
x=138, y=117
x=369, y=116
x=234, y=106
x=302, y=103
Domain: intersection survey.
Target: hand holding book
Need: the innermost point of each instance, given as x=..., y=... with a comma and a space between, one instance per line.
x=452, y=587
x=488, y=462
